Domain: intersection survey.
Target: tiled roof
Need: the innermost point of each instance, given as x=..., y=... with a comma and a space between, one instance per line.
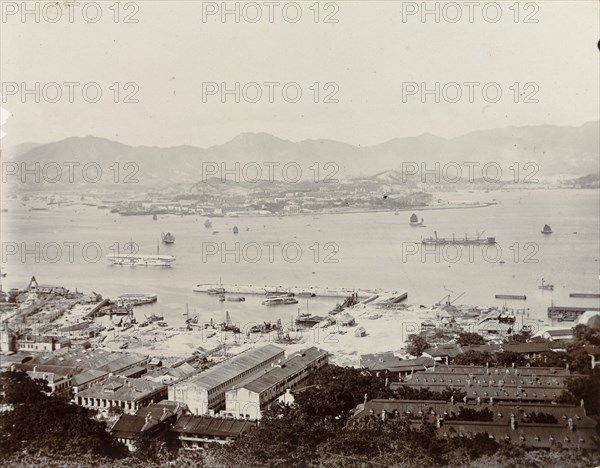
x=122, y=389
x=206, y=426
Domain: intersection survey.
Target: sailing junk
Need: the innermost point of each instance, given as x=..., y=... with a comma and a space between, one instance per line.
x=168, y=238
x=208, y=223
x=414, y=220
x=547, y=229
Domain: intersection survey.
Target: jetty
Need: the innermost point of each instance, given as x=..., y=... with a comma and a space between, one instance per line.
x=312, y=291
x=568, y=313
x=92, y=313
x=512, y=297
x=585, y=295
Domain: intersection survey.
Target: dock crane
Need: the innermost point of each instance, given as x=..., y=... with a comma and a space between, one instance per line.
x=449, y=302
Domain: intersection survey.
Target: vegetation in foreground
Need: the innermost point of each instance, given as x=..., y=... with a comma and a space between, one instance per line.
x=317, y=432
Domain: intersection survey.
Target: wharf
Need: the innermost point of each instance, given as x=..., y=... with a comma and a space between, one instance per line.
x=568, y=313
x=514, y=297
x=298, y=291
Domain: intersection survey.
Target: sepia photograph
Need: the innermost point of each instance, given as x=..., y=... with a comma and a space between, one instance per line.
x=353, y=233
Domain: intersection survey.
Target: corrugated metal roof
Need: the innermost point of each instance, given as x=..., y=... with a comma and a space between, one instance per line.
x=278, y=374
x=235, y=366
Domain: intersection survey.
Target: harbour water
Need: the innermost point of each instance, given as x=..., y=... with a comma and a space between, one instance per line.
x=359, y=250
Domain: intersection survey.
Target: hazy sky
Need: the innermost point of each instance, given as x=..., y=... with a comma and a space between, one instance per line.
x=369, y=53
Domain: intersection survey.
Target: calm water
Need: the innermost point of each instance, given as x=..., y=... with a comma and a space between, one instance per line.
x=376, y=250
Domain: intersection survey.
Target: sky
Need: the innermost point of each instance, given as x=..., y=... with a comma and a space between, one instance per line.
x=365, y=63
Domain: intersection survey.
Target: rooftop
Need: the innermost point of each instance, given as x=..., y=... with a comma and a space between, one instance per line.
x=235, y=366
x=206, y=426
x=278, y=374
x=122, y=389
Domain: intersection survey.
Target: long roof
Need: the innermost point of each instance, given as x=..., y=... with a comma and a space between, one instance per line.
x=203, y=425
x=235, y=366
x=278, y=374
x=99, y=359
x=122, y=389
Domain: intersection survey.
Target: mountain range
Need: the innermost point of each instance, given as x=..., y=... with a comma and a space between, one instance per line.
x=557, y=151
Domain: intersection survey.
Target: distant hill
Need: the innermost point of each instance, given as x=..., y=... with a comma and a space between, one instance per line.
x=557, y=150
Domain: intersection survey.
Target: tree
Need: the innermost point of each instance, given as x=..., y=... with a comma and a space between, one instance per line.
x=39, y=422
x=508, y=358
x=417, y=344
x=470, y=339
x=586, y=335
x=586, y=389
x=476, y=358
x=17, y=388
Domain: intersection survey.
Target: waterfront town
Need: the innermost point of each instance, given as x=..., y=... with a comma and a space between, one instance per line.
x=325, y=234
x=464, y=372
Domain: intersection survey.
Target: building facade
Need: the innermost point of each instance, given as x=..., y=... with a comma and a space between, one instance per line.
x=205, y=392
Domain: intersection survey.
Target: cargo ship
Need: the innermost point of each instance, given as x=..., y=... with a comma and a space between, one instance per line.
x=479, y=240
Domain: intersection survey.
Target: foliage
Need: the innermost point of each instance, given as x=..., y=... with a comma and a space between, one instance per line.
x=470, y=339
x=476, y=358
x=17, y=388
x=471, y=414
x=42, y=423
x=337, y=390
x=416, y=345
x=586, y=389
x=586, y=335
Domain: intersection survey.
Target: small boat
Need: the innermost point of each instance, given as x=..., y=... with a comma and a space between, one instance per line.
x=154, y=217
x=221, y=298
x=216, y=291
x=414, y=220
x=236, y=299
x=163, y=324
x=168, y=238
x=546, y=286
x=547, y=229
x=208, y=223
x=235, y=229
x=279, y=301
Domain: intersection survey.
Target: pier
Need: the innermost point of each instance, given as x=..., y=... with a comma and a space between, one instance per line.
x=513, y=297
x=298, y=291
x=568, y=313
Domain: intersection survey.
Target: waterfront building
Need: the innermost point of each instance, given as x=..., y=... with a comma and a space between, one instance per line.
x=525, y=424
x=120, y=392
x=250, y=398
x=195, y=432
x=205, y=392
